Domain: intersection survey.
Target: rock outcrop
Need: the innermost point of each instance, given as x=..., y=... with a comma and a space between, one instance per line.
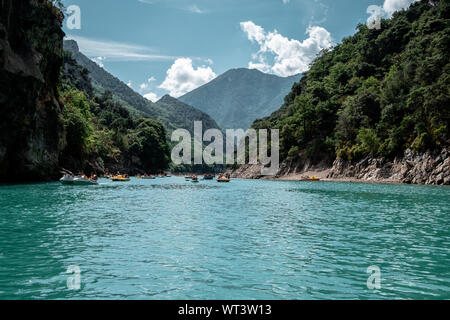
x=30, y=62
x=426, y=168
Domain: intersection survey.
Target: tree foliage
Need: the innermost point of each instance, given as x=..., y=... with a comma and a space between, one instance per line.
x=377, y=93
x=99, y=127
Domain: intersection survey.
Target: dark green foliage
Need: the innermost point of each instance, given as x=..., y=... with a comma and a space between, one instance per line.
x=76, y=117
x=148, y=142
x=100, y=128
x=377, y=93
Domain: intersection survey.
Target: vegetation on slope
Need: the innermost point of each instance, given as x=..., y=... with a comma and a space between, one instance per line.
x=377, y=93
x=172, y=113
x=102, y=130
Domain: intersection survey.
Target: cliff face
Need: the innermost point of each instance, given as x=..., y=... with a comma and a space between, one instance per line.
x=30, y=62
x=431, y=168
x=425, y=168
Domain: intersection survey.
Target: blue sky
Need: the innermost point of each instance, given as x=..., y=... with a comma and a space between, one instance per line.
x=174, y=46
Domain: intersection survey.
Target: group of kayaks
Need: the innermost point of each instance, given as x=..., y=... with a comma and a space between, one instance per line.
x=82, y=179
x=70, y=179
x=195, y=179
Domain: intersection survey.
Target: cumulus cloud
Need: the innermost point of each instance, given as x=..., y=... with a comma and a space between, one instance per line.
x=289, y=56
x=254, y=32
x=388, y=8
x=153, y=97
x=183, y=77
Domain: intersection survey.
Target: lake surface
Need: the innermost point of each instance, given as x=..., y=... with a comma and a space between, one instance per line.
x=172, y=239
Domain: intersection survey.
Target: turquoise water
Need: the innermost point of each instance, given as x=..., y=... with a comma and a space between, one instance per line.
x=172, y=239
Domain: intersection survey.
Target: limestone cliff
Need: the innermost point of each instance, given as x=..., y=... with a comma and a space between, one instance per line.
x=425, y=168
x=30, y=62
x=412, y=168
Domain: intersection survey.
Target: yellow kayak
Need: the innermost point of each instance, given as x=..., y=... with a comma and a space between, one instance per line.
x=120, y=178
x=311, y=179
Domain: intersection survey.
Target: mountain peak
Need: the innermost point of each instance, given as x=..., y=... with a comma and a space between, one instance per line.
x=167, y=98
x=71, y=45
x=239, y=96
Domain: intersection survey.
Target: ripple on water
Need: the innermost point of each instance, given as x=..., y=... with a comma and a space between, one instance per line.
x=171, y=239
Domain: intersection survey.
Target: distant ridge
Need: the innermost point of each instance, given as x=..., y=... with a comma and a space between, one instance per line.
x=172, y=113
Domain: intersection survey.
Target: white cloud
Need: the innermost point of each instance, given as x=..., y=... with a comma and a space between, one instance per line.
x=99, y=61
x=254, y=32
x=145, y=85
x=116, y=51
x=130, y=84
x=388, y=8
x=289, y=56
x=153, y=97
x=286, y=1
x=182, y=77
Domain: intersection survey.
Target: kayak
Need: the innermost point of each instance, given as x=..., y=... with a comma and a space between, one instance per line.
x=310, y=179
x=120, y=178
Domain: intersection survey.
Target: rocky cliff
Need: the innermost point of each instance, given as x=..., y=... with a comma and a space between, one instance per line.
x=30, y=62
x=412, y=168
x=425, y=168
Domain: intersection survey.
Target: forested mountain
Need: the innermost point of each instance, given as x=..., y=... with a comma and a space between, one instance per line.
x=170, y=112
x=239, y=96
x=51, y=116
x=181, y=115
x=377, y=93
x=100, y=133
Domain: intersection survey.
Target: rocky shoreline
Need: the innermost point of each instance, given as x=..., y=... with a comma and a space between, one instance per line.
x=429, y=168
